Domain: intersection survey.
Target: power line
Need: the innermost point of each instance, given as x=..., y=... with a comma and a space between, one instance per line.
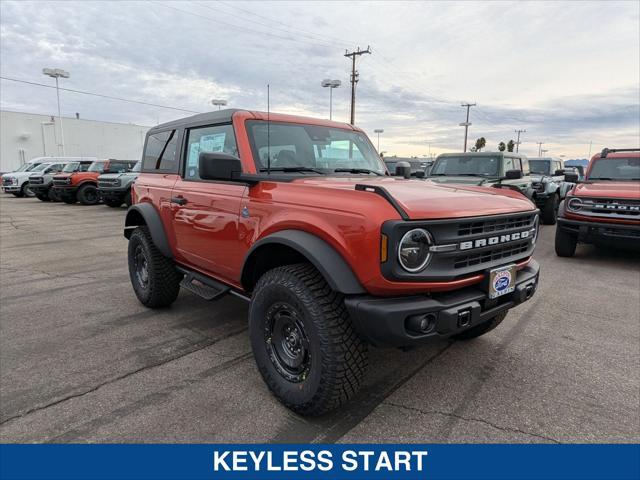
x=233, y=25
x=81, y=92
x=289, y=28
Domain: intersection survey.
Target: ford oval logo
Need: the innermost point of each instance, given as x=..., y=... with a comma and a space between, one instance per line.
x=502, y=281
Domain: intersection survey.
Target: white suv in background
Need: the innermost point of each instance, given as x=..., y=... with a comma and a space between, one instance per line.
x=17, y=183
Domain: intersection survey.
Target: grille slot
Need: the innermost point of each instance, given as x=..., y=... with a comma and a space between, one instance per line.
x=497, y=225
x=36, y=180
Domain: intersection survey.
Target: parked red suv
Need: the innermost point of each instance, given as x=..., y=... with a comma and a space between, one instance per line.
x=604, y=208
x=299, y=217
x=80, y=184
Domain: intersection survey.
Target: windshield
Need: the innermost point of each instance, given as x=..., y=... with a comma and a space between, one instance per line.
x=540, y=166
x=136, y=167
x=294, y=147
x=615, y=169
x=71, y=167
x=25, y=167
x=96, y=167
x=467, y=165
x=39, y=167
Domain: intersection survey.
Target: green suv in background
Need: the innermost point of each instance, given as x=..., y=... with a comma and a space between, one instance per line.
x=115, y=188
x=492, y=169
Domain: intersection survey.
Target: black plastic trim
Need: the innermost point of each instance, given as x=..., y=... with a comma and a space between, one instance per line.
x=384, y=193
x=154, y=223
x=323, y=256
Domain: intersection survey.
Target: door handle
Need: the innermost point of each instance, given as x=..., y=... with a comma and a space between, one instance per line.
x=179, y=200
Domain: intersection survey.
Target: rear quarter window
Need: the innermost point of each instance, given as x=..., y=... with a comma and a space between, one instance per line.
x=160, y=153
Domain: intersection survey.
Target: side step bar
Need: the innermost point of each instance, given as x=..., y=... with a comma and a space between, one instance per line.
x=203, y=286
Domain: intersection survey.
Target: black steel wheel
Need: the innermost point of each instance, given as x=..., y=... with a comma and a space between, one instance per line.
x=303, y=341
x=88, y=195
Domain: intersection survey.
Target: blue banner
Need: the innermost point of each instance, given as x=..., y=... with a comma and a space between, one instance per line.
x=282, y=462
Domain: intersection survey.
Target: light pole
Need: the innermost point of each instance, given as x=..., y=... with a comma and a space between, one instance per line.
x=540, y=148
x=218, y=102
x=378, y=131
x=331, y=84
x=466, y=124
x=58, y=73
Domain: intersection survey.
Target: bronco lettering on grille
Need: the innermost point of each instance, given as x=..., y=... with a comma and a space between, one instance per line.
x=499, y=239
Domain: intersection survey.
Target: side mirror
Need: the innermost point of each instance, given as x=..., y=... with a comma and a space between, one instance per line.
x=513, y=174
x=218, y=166
x=558, y=173
x=571, y=177
x=419, y=174
x=403, y=169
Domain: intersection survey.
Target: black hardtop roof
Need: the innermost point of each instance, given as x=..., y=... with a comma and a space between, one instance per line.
x=483, y=154
x=216, y=116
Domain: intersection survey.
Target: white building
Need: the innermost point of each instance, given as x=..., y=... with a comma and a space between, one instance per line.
x=24, y=136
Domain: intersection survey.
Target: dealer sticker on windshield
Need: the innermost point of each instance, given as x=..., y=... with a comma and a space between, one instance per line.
x=502, y=281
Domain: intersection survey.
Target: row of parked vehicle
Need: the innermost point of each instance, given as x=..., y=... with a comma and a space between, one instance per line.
x=74, y=179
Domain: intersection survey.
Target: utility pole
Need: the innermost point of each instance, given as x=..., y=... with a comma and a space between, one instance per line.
x=518, y=140
x=354, y=78
x=466, y=123
x=540, y=148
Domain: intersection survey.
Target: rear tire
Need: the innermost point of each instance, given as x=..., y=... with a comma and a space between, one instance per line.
x=481, y=329
x=154, y=278
x=565, y=243
x=303, y=341
x=88, y=195
x=550, y=210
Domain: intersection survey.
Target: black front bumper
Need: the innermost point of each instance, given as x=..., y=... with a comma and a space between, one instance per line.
x=595, y=232
x=386, y=321
x=112, y=193
x=40, y=188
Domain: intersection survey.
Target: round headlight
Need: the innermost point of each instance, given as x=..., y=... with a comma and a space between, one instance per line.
x=413, y=251
x=574, y=204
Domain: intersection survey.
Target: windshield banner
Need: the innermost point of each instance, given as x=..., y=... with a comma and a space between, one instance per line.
x=361, y=461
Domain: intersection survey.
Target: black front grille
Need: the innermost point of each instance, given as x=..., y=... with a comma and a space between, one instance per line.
x=496, y=226
x=500, y=253
x=107, y=183
x=60, y=181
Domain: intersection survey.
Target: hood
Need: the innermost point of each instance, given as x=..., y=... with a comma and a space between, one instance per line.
x=608, y=189
x=110, y=176
x=424, y=200
x=19, y=175
x=463, y=180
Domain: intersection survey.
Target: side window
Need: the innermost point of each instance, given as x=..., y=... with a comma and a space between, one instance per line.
x=525, y=166
x=219, y=138
x=84, y=167
x=160, y=153
x=510, y=164
x=56, y=167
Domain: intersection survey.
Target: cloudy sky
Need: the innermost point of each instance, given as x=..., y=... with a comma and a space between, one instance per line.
x=568, y=73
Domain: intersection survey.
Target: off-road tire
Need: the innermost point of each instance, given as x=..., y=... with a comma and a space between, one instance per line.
x=113, y=203
x=163, y=284
x=550, y=210
x=484, y=327
x=25, y=191
x=127, y=198
x=53, y=196
x=43, y=197
x=565, y=243
x=88, y=195
x=337, y=356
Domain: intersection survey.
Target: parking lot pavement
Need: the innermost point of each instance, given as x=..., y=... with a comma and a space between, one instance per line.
x=82, y=361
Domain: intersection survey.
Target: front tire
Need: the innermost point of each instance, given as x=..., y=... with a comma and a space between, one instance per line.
x=127, y=198
x=481, y=329
x=303, y=340
x=42, y=197
x=25, y=191
x=565, y=243
x=88, y=195
x=550, y=210
x=154, y=278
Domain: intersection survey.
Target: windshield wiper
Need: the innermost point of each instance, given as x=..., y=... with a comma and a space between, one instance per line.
x=357, y=170
x=293, y=169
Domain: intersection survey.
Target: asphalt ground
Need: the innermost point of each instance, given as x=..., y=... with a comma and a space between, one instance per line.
x=82, y=361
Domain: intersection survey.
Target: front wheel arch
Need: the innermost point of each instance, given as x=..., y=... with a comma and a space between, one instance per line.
x=145, y=214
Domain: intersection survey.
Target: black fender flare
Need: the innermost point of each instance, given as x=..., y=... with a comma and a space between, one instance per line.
x=146, y=214
x=322, y=256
